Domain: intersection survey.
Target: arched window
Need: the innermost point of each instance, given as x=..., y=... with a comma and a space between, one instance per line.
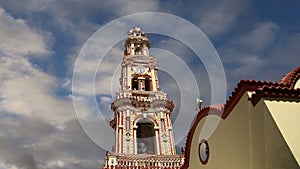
x=147, y=84
x=145, y=138
x=135, y=83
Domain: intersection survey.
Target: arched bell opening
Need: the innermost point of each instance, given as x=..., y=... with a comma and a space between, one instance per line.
x=145, y=137
x=148, y=85
x=140, y=82
x=135, y=83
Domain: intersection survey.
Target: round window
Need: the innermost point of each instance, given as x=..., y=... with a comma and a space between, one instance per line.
x=203, y=151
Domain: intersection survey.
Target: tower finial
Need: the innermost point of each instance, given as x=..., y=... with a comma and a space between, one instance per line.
x=136, y=31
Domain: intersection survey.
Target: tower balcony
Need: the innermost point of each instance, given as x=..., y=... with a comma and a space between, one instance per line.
x=144, y=99
x=140, y=59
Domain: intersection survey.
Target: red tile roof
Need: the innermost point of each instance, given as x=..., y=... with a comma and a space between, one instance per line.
x=274, y=92
x=242, y=87
x=264, y=89
x=291, y=78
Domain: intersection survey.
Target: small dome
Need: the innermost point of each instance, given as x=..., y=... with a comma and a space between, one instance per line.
x=136, y=31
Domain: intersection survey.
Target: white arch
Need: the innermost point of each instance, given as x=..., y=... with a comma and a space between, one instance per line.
x=150, y=118
x=155, y=128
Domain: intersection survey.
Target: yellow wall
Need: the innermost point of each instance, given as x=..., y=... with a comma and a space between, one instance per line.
x=257, y=119
x=297, y=85
x=229, y=145
x=286, y=115
x=249, y=138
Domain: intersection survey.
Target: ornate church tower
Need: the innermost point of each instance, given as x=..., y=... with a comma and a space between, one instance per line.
x=144, y=136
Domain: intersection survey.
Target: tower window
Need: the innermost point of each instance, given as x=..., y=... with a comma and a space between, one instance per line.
x=147, y=84
x=138, y=52
x=145, y=138
x=135, y=83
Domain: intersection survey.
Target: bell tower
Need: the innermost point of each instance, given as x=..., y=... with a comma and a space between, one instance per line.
x=141, y=111
x=139, y=69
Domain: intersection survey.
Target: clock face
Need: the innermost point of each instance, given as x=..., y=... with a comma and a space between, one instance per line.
x=140, y=70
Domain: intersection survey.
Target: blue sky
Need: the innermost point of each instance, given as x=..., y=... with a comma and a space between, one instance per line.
x=40, y=41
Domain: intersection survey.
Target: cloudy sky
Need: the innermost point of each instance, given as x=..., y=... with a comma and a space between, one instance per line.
x=41, y=40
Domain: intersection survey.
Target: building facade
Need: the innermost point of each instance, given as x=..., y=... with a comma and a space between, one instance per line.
x=259, y=128
x=144, y=136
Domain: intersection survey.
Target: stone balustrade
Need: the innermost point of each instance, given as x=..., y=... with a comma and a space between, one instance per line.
x=174, y=162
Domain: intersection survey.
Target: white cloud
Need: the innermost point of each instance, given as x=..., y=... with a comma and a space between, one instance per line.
x=24, y=89
x=249, y=66
x=218, y=17
x=33, y=143
x=27, y=97
x=28, y=91
x=177, y=48
x=285, y=53
x=245, y=55
x=105, y=71
x=260, y=37
x=18, y=38
x=246, y=51
x=4, y=166
x=133, y=6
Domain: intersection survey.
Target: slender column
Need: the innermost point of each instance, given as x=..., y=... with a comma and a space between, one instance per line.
x=132, y=49
x=171, y=138
x=121, y=114
x=168, y=120
x=117, y=133
x=125, y=75
x=153, y=76
x=121, y=137
x=120, y=140
x=134, y=140
x=156, y=79
x=128, y=70
x=157, y=143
